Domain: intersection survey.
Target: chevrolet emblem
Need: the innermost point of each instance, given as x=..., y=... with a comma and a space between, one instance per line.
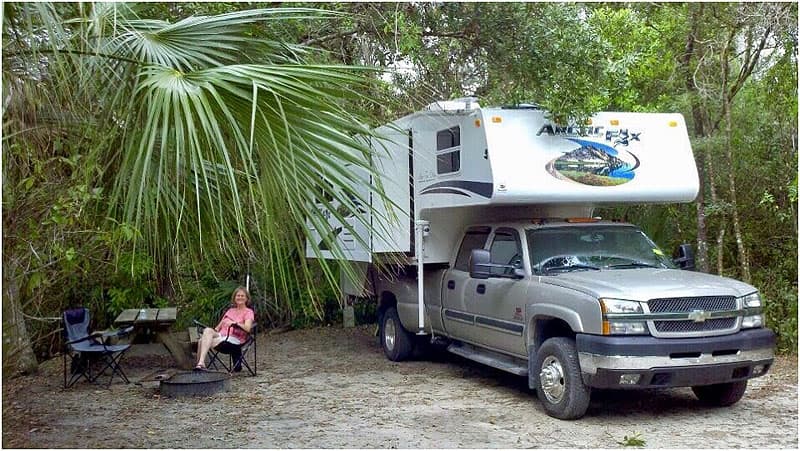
x=699, y=316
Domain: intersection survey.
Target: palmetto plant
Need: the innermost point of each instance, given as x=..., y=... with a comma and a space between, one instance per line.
x=203, y=136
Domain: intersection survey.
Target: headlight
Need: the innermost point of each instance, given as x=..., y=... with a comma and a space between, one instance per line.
x=614, y=321
x=619, y=306
x=751, y=300
x=752, y=306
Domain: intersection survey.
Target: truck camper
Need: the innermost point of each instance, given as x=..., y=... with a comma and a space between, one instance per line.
x=488, y=245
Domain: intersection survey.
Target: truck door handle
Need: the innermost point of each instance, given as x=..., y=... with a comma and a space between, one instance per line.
x=451, y=285
x=481, y=288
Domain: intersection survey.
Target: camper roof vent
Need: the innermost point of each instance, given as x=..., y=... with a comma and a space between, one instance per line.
x=461, y=104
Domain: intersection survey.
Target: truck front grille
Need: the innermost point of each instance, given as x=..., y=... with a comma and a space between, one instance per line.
x=680, y=305
x=672, y=327
x=690, y=304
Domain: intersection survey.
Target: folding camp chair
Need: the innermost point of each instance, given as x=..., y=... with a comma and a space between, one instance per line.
x=238, y=355
x=87, y=351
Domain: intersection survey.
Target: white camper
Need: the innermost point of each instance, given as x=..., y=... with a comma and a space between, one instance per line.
x=494, y=208
x=456, y=161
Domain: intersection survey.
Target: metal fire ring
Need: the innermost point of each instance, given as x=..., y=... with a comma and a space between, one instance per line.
x=195, y=383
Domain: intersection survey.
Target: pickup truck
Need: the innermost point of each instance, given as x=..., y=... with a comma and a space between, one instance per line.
x=580, y=304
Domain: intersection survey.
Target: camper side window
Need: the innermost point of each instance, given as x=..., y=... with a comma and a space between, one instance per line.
x=475, y=238
x=448, y=150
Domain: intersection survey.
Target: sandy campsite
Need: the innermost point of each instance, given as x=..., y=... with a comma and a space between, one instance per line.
x=333, y=388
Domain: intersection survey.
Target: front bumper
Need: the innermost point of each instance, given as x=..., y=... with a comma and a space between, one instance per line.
x=674, y=362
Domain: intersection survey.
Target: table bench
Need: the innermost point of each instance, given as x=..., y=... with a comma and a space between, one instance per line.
x=159, y=321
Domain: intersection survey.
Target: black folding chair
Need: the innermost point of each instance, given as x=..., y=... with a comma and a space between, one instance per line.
x=87, y=351
x=239, y=355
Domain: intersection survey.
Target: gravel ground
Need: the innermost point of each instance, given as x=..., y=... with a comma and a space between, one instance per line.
x=333, y=388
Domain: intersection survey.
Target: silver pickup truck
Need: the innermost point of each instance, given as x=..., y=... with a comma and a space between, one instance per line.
x=576, y=304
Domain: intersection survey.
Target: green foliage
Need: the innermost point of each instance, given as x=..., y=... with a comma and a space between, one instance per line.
x=634, y=440
x=137, y=143
x=780, y=310
x=638, y=44
x=132, y=285
x=157, y=161
x=203, y=300
x=366, y=311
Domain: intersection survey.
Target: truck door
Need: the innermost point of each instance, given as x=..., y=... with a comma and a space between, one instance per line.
x=498, y=303
x=458, y=322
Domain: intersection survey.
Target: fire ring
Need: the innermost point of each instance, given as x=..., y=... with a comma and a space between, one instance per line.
x=195, y=383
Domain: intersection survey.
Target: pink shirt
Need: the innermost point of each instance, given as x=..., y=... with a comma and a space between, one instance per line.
x=235, y=315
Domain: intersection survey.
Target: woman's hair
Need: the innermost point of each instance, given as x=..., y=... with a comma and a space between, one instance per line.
x=246, y=293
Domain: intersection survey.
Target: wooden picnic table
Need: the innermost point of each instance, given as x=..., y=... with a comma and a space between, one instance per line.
x=158, y=321
x=157, y=317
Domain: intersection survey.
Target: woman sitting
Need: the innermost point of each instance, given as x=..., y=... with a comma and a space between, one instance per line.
x=233, y=327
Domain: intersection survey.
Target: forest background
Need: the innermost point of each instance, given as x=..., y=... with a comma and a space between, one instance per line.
x=97, y=98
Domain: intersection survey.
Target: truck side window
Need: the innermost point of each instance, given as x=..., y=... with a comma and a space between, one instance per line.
x=448, y=150
x=506, y=250
x=475, y=238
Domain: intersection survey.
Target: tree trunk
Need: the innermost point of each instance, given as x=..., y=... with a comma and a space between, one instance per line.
x=712, y=189
x=18, y=356
x=744, y=259
x=699, y=132
x=721, y=250
x=727, y=99
x=701, y=259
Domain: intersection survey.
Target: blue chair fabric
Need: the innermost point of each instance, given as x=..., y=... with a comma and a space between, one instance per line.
x=89, y=354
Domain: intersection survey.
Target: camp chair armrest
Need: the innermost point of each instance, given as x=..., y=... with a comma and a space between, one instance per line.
x=252, y=328
x=117, y=333
x=91, y=336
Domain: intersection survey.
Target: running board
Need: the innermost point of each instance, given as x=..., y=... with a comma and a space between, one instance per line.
x=490, y=358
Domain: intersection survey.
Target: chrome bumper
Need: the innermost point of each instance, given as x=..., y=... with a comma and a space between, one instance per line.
x=590, y=363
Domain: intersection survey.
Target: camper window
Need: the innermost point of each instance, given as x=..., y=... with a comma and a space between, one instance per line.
x=448, y=162
x=448, y=148
x=446, y=139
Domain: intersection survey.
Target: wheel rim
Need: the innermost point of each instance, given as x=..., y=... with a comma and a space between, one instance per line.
x=388, y=334
x=551, y=379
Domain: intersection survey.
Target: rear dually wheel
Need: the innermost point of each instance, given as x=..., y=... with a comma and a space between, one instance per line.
x=396, y=341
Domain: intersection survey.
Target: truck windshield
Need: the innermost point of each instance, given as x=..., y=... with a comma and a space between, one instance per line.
x=594, y=247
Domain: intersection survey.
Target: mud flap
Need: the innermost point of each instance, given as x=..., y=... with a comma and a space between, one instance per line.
x=533, y=375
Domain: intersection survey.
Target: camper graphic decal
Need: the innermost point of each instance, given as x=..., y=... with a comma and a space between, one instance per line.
x=595, y=163
x=461, y=188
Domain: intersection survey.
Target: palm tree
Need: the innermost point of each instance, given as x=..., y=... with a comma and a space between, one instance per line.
x=199, y=138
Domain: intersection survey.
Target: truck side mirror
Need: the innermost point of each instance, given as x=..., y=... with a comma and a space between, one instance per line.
x=479, y=264
x=685, y=257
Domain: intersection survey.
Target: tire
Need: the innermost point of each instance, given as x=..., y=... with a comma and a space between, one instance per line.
x=396, y=341
x=720, y=395
x=559, y=384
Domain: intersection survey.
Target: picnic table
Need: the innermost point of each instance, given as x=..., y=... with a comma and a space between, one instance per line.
x=157, y=321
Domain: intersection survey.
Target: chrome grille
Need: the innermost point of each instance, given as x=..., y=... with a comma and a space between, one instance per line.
x=680, y=305
x=688, y=305
x=691, y=326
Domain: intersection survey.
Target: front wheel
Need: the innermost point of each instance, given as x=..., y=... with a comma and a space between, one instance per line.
x=396, y=341
x=720, y=395
x=559, y=383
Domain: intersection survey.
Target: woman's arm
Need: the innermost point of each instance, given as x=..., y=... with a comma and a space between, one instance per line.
x=247, y=325
x=224, y=323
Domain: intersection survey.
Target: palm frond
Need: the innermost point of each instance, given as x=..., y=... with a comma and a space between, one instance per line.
x=208, y=41
x=201, y=153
